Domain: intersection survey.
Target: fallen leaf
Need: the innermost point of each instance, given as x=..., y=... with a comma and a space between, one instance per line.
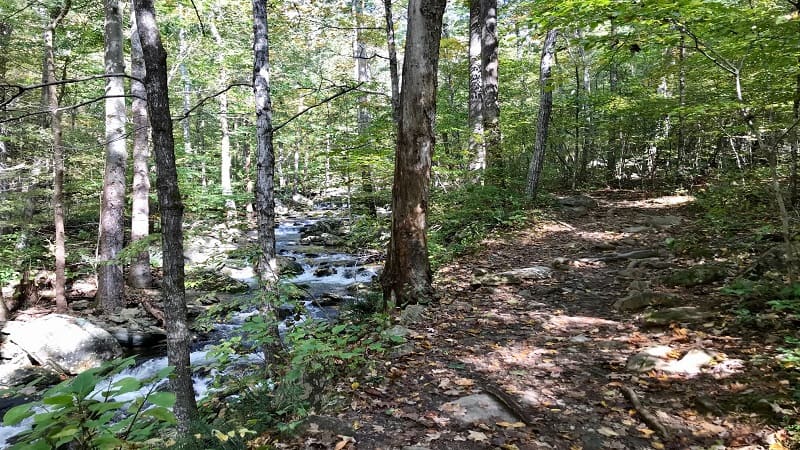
x=647, y=432
x=345, y=441
x=607, y=432
x=657, y=445
x=477, y=436
x=505, y=424
x=464, y=382
x=378, y=428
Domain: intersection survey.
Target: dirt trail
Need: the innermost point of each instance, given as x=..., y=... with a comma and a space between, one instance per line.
x=554, y=351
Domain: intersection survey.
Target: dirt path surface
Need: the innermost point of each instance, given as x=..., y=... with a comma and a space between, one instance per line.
x=561, y=362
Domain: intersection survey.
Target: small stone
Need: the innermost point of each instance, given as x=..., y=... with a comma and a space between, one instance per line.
x=639, y=300
x=412, y=314
x=664, y=221
x=478, y=408
x=637, y=229
x=683, y=314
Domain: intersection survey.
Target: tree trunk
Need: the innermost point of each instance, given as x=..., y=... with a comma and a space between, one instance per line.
x=477, y=147
x=183, y=54
x=265, y=178
x=545, y=108
x=51, y=94
x=139, y=275
x=395, y=78
x=225, y=135
x=110, y=279
x=613, y=134
x=169, y=199
x=681, y=137
x=363, y=75
x=407, y=275
x=491, y=102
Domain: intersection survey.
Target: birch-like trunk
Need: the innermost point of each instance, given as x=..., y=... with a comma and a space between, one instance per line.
x=225, y=135
x=110, y=278
x=548, y=61
x=477, y=147
x=139, y=275
x=265, y=178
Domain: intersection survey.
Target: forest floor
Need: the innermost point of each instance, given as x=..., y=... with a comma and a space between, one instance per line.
x=556, y=352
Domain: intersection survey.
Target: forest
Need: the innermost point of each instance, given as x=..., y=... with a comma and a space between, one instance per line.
x=409, y=224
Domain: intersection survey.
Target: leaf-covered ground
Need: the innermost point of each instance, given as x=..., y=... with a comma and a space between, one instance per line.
x=556, y=351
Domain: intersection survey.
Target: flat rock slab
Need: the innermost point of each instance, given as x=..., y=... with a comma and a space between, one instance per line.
x=515, y=276
x=578, y=201
x=639, y=300
x=478, y=408
x=66, y=343
x=682, y=314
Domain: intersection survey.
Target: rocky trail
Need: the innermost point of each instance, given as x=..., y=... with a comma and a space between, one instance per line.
x=585, y=331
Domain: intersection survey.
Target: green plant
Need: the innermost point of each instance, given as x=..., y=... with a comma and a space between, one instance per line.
x=85, y=413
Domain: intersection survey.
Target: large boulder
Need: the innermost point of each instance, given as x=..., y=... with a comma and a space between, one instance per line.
x=68, y=344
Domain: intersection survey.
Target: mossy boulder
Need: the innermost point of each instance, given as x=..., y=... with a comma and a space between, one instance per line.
x=210, y=280
x=696, y=276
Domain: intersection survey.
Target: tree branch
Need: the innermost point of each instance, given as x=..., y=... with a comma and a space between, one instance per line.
x=65, y=108
x=326, y=100
x=22, y=89
x=202, y=101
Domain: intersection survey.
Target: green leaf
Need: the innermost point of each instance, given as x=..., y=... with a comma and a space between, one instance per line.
x=83, y=384
x=105, y=406
x=68, y=431
x=162, y=414
x=59, y=400
x=126, y=385
x=165, y=399
x=17, y=414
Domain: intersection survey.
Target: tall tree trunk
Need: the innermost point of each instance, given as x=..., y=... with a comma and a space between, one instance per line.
x=491, y=101
x=225, y=135
x=169, y=198
x=477, y=147
x=183, y=54
x=110, y=278
x=588, y=135
x=613, y=134
x=395, y=78
x=545, y=107
x=51, y=94
x=681, y=137
x=139, y=275
x=407, y=275
x=265, y=177
x=363, y=75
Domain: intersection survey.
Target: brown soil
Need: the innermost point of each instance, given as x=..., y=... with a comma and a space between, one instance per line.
x=557, y=350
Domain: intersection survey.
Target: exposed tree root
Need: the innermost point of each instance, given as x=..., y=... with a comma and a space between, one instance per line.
x=648, y=417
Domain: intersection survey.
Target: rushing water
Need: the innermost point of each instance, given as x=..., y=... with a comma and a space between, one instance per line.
x=342, y=271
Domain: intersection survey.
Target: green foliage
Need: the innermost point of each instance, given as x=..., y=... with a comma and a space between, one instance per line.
x=85, y=413
x=462, y=218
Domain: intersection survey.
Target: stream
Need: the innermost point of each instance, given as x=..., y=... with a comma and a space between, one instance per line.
x=327, y=277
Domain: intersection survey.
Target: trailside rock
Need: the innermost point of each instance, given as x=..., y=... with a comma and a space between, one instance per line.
x=636, y=301
x=478, y=408
x=697, y=275
x=578, y=201
x=683, y=314
x=69, y=344
x=515, y=276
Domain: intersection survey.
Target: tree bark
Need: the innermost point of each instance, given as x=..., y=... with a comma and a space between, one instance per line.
x=477, y=147
x=548, y=61
x=407, y=274
x=110, y=278
x=171, y=213
x=51, y=94
x=183, y=53
x=139, y=275
x=265, y=178
x=491, y=101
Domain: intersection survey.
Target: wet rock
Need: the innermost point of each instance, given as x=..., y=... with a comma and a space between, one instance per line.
x=578, y=201
x=696, y=276
x=21, y=373
x=639, y=300
x=211, y=280
x=478, y=408
x=683, y=314
x=286, y=310
x=329, y=299
x=69, y=344
x=287, y=265
x=324, y=271
x=302, y=201
x=137, y=336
